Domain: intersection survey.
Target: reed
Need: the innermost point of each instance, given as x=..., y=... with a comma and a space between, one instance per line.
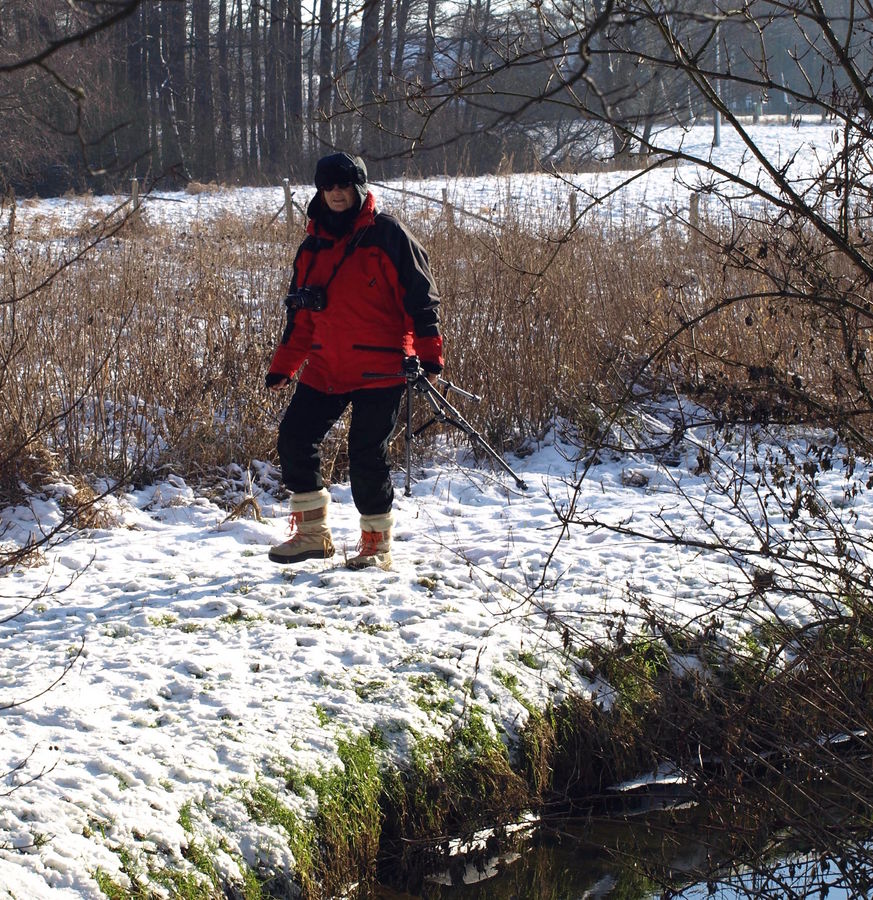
x=146, y=354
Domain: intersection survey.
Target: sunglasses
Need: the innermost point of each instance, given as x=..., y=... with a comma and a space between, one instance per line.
x=342, y=185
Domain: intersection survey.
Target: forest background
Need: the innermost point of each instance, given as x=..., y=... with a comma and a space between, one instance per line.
x=240, y=91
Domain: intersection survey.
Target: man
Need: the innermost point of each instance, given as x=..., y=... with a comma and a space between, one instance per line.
x=362, y=298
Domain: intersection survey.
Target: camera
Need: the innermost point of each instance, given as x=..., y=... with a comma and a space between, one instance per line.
x=311, y=298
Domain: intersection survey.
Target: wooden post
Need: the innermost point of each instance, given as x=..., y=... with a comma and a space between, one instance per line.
x=573, y=212
x=289, y=208
x=13, y=206
x=447, y=208
x=694, y=214
x=134, y=217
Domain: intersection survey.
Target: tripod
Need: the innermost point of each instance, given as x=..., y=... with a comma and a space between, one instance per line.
x=443, y=412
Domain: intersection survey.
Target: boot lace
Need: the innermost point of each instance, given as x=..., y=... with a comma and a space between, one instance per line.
x=370, y=541
x=294, y=521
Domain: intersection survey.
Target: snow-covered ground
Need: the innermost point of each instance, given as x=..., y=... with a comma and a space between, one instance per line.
x=196, y=670
x=199, y=669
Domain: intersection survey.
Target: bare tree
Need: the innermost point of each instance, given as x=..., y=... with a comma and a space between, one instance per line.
x=242, y=95
x=294, y=84
x=204, y=106
x=274, y=72
x=225, y=109
x=366, y=82
x=325, y=72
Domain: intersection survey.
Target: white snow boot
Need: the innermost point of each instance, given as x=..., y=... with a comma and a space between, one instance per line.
x=375, y=546
x=310, y=533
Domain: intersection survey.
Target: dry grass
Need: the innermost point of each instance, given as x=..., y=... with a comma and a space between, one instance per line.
x=148, y=353
x=86, y=509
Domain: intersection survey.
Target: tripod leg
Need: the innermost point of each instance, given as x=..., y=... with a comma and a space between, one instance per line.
x=493, y=454
x=408, y=489
x=459, y=421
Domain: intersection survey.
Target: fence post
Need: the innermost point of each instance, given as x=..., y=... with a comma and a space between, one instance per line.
x=694, y=213
x=573, y=204
x=13, y=206
x=134, y=218
x=289, y=208
x=447, y=208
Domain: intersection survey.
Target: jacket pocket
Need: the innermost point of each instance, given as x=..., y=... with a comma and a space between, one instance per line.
x=371, y=349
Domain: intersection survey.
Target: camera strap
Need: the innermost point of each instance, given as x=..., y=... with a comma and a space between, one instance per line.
x=350, y=248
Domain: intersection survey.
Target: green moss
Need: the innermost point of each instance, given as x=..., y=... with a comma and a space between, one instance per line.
x=264, y=805
x=369, y=689
x=109, y=887
x=529, y=659
x=239, y=616
x=339, y=845
x=185, y=817
x=322, y=715
x=201, y=882
x=453, y=785
x=349, y=818
x=434, y=696
x=187, y=885
x=507, y=679
x=633, y=669
x=510, y=681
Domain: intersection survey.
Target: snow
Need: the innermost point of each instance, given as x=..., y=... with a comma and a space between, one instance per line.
x=188, y=669
x=663, y=192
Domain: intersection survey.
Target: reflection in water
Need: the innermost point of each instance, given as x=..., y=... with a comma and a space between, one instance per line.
x=639, y=854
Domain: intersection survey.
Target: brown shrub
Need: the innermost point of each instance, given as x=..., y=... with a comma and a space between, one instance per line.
x=149, y=353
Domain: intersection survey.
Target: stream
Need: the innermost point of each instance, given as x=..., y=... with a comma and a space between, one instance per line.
x=655, y=844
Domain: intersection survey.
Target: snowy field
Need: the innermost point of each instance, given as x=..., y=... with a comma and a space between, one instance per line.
x=196, y=670
x=663, y=192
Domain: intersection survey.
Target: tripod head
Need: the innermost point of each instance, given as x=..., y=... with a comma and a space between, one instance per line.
x=414, y=373
x=412, y=368
x=420, y=379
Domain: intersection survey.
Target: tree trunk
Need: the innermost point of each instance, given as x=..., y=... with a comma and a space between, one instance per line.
x=155, y=72
x=172, y=88
x=294, y=87
x=135, y=146
x=274, y=119
x=225, y=145
x=400, y=45
x=387, y=46
x=427, y=59
x=256, y=135
x=388, y=90
x=204, y=111
x=241, y=89
x=325, y=79
x=366, y=82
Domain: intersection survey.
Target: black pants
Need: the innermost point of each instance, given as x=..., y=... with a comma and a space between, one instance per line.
x=307, y=420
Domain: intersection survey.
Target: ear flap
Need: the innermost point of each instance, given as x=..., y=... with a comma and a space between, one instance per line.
x=360, y=170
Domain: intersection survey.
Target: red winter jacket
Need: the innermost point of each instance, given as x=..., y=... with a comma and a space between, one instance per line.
x=382, y=305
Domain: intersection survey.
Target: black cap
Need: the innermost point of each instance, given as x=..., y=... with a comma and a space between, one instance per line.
x=340, y=167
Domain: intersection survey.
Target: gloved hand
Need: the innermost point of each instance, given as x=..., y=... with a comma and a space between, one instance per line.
x=276, y=380
x=432, y=371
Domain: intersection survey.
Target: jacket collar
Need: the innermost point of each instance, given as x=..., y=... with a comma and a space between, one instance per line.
x=366, y=215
